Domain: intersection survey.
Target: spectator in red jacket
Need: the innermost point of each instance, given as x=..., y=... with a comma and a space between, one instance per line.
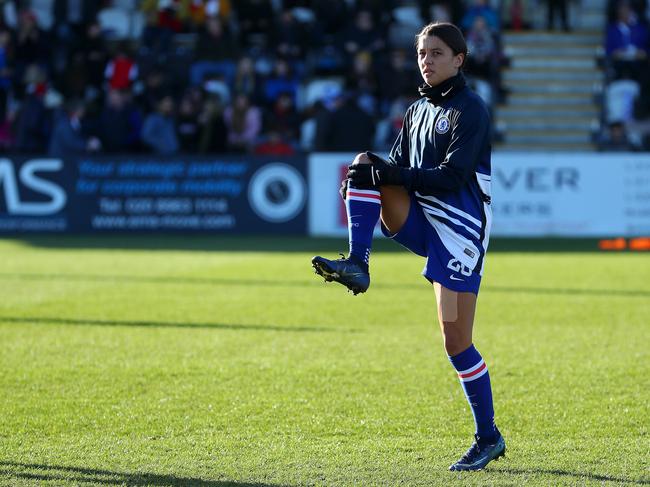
x=121, y=71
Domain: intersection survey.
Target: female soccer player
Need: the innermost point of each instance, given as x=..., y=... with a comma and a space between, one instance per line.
x=433, y=197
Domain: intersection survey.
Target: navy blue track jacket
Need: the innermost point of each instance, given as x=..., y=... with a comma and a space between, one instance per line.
x=446, y=145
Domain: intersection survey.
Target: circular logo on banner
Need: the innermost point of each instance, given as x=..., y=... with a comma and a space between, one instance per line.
x=442, y=125
x=276, y=192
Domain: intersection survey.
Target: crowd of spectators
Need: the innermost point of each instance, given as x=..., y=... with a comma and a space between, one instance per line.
x=264, y=76
x=627, y=71
x=212, y=76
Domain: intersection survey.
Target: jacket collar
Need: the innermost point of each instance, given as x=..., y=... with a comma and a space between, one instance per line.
x=444, y=91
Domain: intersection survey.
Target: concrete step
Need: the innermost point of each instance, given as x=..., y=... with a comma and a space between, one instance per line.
x=547, y=112
x=554, y=39
x=512, y=125
x=541, y=50
x=548, y=136
x=553, y=81
x=594, y=4
x=569, y=63
x=568, y=114
x=591, y=18
x=547, y=147
x=582, y=120
x=550, y=87
x=526, y=99
x=590, y=74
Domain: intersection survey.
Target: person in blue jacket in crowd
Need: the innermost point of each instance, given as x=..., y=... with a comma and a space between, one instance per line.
x=159, y=128
x=67, y=138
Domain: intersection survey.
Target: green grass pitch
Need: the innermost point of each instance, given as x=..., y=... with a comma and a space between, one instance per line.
x=214, y=361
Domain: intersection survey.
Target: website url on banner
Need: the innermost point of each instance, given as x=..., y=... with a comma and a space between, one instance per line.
x=168, y=222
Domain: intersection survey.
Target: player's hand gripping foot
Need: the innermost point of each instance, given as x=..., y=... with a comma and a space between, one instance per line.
x=479, y=455
x=349, y=271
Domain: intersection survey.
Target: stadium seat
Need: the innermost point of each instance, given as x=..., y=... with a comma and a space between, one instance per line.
x=620, y=96
x=138, y=23
x=407, y=24
x=126, y=5
x=318, y=89
x=115, y=23
x=407, y=15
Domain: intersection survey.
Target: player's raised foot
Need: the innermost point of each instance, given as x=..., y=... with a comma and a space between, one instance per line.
x=349, y=271
x=480, y=454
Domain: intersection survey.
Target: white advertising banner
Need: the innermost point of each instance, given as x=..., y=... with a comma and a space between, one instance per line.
x=326, y=216
x=567, y=195
x=571, y=195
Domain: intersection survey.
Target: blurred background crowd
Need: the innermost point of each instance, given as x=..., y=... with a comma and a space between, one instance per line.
x=267, y=76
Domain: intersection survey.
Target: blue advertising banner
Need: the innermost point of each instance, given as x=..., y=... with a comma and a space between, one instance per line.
x=235, y=194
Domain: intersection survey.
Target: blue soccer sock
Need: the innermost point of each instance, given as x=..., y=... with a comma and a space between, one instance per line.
x=363, y=207
x=474, y=377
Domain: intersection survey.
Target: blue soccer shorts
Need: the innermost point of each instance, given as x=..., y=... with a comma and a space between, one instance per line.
x=418, y=236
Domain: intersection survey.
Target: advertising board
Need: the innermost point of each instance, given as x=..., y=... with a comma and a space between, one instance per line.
x=533, y=195
x=122, y=194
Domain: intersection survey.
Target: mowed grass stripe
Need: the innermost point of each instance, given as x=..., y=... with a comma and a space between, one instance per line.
x=112, y=374
x=212, y=281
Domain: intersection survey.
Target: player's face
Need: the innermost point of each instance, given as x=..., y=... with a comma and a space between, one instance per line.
x=436, y=60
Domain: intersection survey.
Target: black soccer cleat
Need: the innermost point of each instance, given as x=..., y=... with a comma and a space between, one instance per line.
x=479, y=455
x=349, y=271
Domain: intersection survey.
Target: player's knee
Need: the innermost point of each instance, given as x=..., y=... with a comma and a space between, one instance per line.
x=454, y=340
x=361, y=158
x=454, y=347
